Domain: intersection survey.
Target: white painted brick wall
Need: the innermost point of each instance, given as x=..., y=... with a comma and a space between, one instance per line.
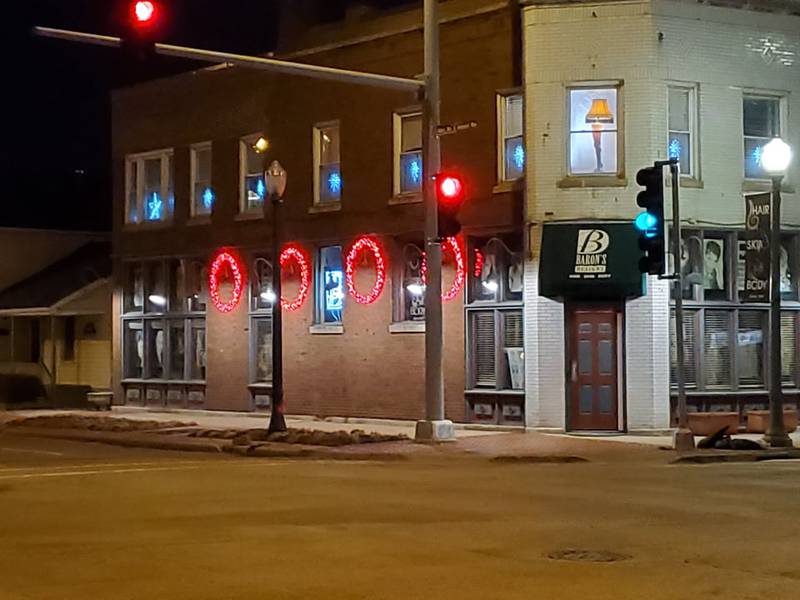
x=714, y=48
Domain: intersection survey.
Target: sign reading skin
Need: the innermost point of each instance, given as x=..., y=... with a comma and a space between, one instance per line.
x=590, y=261
x=756, y=245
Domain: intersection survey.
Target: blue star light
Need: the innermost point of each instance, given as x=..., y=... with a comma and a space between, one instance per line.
x=519, y=156
x=260, y=188
x=335, y=182
x=154, y=208
x=415, y=171
x=208, y=198
x=674, y=148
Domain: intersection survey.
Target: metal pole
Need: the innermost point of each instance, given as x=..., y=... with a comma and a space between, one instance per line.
x=776, y=435
x=683, y=438
x=254, y=62
x=434, y=427
x=277, y=422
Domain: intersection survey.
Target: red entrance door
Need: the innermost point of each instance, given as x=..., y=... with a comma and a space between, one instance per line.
x=593, y=382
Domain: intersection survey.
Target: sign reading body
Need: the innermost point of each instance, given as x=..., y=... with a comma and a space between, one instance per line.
x=756, y=256
x=590, y=261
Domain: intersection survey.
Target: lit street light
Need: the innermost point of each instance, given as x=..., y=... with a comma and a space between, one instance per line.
x=775, y=159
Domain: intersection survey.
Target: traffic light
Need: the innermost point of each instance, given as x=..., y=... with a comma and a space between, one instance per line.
x=142, y=24
x=651, y=222
x=449, y=198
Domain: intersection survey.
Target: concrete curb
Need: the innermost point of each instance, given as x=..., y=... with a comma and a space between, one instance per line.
x=734, y=456
x=294, y=451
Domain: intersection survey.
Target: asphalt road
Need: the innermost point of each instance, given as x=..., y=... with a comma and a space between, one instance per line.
x=85, y=521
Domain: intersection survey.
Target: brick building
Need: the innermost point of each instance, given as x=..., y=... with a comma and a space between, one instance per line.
x=641, y=81
x=187, y=183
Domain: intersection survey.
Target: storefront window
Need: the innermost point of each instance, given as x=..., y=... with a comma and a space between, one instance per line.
x=262, y=350
x=197, y=364
x=133, y=349
x=262, y=295
x=750, y=347
x=154, y=348
x=134, y=288
x=177, y=354
x=156, y=288
x=496, y=271
x=410, y=287
x=330, y=285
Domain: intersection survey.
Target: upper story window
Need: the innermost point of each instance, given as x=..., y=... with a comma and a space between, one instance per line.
x=327, y=166
x=682, y=136
x=594, y=127
x=407, y=153
x=202, y=193
x=330, y=286
x=511, y=147
x=149, y=195
x=761, y=122
x=252, y=186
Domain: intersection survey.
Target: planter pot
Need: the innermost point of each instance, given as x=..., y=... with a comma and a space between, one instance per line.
x=706, y=423
x=758, y=420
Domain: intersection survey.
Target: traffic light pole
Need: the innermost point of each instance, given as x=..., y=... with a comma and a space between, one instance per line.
x=682, y=439
x=434, y=427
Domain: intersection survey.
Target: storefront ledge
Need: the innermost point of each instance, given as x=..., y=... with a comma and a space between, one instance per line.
x=764, y=185
x=249, y=216
x=326, y=329
x=201, y=220
x=147, y=226
x=325, y=208
x=400, y=199
x=407, y=327
x=592, y=181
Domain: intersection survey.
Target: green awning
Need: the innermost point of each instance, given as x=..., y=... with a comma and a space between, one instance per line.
x=590, y=261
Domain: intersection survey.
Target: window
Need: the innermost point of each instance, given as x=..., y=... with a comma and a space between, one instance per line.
x=410, y=288
x=495, y=333
x=593, y=131
x=149, y=187
x=761, y=122
x=261, y=301
x=330, y=286
x=327, y=169
x=202, y=193
x=163, y=325
x=510, y=136
x=252, y=186
x=408, y=153
x=681, y=137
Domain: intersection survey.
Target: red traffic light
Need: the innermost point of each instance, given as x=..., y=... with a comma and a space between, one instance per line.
x=143, y=12
x=449, y=189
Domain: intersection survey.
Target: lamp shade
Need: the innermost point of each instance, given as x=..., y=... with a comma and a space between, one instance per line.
x=276, y=179
x=776, y=156
x=599, y=112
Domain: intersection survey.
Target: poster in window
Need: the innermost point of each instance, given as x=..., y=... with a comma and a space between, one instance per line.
x=785, y=271
x=691, y=263
x=713, y=264
x=334, y=294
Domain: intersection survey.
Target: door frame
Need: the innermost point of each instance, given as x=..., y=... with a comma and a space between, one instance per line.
x=622, y=388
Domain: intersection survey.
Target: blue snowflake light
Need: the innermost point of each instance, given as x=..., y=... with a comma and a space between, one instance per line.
x=335, y=183
x=757, y=151
x=415, y=171
x=155, y=208
x=674, y=148
x=519, y=156
x=261, y=189
x=208, y=198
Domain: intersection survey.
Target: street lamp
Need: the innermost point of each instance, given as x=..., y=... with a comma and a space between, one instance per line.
x=275, y=179
x=775, y=159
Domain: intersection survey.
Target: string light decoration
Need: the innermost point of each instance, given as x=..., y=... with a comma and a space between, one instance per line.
x=452, y=244
x=360, y=245
x=299, y=256
x=478, y=263
x=221, y=260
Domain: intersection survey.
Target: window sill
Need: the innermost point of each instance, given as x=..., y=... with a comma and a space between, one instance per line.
x=249, y=216
x=261, y=385
x=406, y=198
x=326, y=329
x=163, y=382
x=325, y=208
x=147, y=226
x=504, y=187
x=592, y=181
x=691, y=182
x=488, y=391
x=199, y=220
x=407, y=327
x=764, y=185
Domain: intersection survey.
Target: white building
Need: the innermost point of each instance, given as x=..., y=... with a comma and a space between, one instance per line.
x=611, y=87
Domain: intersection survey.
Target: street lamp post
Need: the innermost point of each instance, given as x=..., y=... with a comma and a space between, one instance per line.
x=275, y=183
x=775, y=159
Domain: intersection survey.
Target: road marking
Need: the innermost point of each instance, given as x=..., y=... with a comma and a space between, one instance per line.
x=107, y=465
x=95, y=472
x=26, y=451
x=129, y=468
